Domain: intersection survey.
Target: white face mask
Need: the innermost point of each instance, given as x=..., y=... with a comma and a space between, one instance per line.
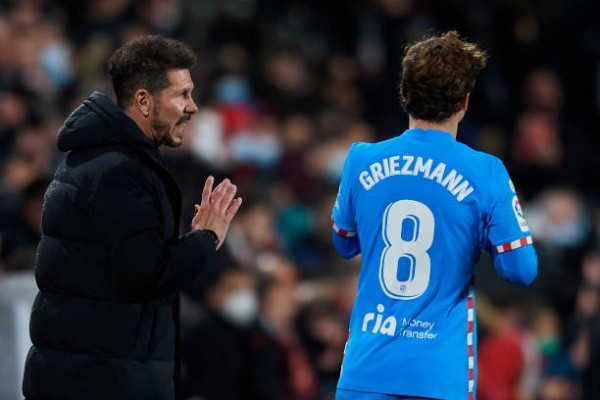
x=240, y=307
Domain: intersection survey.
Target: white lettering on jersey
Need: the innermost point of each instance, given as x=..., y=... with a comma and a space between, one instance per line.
x=453, y=181
x=408, y=162
x=421, y=167
x=378, y=323
x=381, y=326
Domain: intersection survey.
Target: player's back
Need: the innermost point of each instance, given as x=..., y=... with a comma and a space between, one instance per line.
x=419, y=203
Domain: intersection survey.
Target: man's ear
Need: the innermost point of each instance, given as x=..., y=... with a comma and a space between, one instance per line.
x=142, y=101
x=464, y=103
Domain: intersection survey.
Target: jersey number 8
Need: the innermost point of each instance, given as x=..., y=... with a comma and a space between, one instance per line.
x=408, y=228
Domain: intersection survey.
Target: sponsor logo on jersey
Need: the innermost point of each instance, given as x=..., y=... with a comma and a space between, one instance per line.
x=411, y=328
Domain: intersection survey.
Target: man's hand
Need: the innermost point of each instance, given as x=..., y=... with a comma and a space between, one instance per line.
x=217, y=208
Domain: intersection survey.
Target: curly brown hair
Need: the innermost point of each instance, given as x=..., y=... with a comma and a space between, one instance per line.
x=144, y=63
x=437, y=73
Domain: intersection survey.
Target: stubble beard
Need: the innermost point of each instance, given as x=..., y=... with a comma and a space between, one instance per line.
x=163, y=131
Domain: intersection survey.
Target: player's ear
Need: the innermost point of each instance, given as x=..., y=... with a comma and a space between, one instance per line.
x=142, y=101
x=464, y=103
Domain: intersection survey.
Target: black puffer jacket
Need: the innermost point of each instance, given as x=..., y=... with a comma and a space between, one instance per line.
x=109, y=265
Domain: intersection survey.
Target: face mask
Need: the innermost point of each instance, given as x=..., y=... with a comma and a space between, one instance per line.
x=233, y=90
x=263, y=150
x=571, y=233
x=55, y=60
x=335, y=166
x=240, y=307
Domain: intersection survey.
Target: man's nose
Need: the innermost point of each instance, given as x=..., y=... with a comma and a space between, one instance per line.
x=191, y=107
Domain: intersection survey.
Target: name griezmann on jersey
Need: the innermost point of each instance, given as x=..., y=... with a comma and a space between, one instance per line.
x=416, y=166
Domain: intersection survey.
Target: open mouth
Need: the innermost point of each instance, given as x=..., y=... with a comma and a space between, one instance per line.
x=181, y=127
x=184, y=120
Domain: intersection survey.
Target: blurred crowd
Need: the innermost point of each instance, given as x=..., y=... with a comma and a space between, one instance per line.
x=284, y=88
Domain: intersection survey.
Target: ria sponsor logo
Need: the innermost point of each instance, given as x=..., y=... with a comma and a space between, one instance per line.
x=378, y=323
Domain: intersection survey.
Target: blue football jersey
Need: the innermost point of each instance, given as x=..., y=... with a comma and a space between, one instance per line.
x=423, y=207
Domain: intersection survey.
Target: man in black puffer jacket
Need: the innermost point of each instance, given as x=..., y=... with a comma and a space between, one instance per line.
x=111, y=261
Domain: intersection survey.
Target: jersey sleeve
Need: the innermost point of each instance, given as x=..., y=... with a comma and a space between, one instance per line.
x=347, y=247
x=507, y=228
x=343, y=234
x=508, y=238
x=342, y=216
x=518, y=266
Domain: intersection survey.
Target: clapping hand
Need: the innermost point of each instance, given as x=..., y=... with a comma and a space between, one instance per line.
x=217, y=208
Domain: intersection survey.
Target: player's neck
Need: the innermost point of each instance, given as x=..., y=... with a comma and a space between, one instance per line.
x=449, y=125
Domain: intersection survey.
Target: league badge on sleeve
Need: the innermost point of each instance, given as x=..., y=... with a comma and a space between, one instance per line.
x=519, y=214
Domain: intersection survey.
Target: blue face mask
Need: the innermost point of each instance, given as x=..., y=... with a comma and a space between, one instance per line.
x=571, y=233
x=335, y=166
x=232, y=89
x=56, y=63
x=261, y=150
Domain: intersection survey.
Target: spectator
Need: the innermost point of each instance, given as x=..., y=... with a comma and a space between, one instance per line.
x=278, y=333
x=217, y=356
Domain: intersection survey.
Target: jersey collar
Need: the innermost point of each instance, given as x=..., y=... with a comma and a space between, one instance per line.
x=428, y=134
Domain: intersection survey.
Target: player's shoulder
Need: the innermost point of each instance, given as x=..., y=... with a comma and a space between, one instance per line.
x=480, y=158
x=368, y=148
x=359, y=147
x=359, y=150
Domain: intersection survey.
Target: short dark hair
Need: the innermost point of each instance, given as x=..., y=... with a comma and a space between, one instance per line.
x=437, y=73
x=143, y=63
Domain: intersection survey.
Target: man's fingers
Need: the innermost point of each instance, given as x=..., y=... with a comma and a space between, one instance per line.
x=233, y=208
x=217, y=195
x=207, y=190
x=222, y=184
x=228, y=197
x=218, y=189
